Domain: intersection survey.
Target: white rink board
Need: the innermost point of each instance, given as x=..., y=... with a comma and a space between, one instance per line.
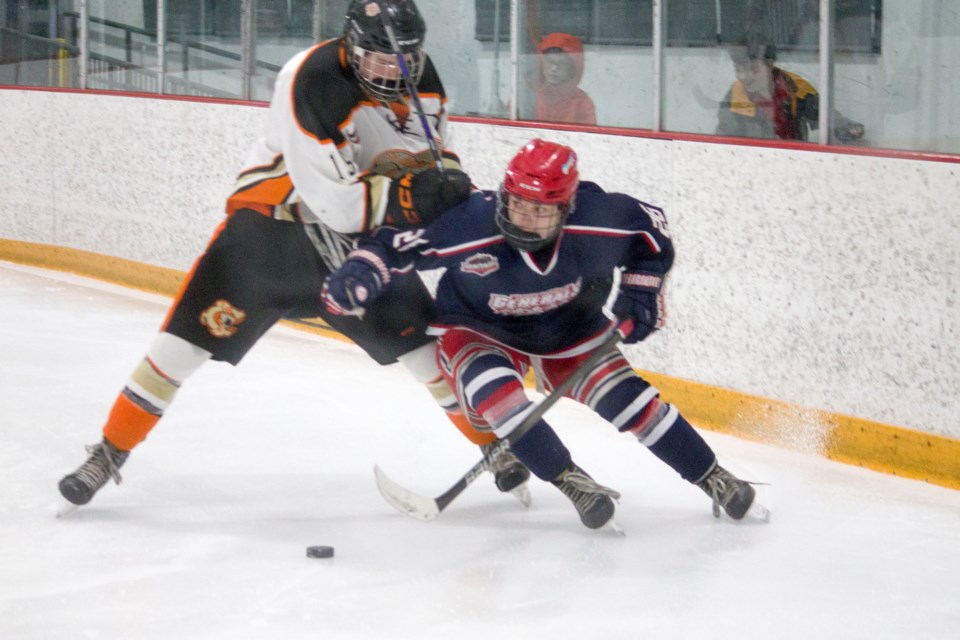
x=825, y=280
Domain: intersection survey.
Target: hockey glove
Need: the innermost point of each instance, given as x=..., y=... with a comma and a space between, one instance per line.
x=641, y=299
x=418, y=199
x=353, y=287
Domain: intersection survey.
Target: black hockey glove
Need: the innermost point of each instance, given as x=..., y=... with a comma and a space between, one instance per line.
x=418, y=198
x=353, y=287
x=641, y=298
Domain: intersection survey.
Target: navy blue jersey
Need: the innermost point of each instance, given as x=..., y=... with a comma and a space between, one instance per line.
x=543, y=304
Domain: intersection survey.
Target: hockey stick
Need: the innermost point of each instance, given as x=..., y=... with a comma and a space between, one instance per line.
x=423, y=508
x=411, y=87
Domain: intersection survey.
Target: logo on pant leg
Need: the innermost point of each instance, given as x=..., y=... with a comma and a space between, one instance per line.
x=222, y=318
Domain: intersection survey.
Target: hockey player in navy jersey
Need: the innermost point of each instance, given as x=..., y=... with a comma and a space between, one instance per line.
x=341, y=154
x=529, y=269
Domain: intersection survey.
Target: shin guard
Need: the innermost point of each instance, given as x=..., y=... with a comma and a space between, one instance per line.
x=130, y=421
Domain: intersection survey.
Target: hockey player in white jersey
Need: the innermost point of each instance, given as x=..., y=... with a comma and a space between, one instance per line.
x=341, y=154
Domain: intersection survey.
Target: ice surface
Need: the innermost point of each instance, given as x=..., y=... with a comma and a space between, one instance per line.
x=206, y=538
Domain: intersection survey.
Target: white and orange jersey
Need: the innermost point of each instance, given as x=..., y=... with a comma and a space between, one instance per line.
x=328, y=151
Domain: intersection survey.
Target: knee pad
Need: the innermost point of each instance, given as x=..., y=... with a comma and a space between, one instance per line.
x=487, y=384
x=623, y=398
x=422, y=365
x=653, y=421
x=610, y=382
x=176, y=358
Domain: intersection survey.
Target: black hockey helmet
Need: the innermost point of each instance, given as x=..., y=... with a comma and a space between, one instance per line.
x=369, y=50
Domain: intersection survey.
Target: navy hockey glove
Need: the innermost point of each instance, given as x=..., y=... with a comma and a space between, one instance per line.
x=641, y=299
x=353, y=287
x=418, y=198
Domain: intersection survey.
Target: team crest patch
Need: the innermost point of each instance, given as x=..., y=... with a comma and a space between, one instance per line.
x=481, y=264
x=222, y=318
x=393, y=162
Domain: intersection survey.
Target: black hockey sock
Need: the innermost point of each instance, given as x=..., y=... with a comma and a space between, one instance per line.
x=542, y=452
x=684, y=450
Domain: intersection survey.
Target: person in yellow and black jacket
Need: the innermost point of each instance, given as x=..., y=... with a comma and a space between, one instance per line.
x=769, y=102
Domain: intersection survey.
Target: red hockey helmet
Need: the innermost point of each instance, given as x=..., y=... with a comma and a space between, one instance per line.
x=544, y=173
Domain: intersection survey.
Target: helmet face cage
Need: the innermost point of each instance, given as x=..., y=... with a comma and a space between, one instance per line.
x=370, y=53
x=380, y=75
x=545, y=173
x=527, y=240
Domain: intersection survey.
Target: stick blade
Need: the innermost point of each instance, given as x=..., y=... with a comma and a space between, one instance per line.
x=416, y=506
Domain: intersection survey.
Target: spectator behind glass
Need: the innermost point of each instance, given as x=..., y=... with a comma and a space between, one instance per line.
x=559, y=70
x=768, y=102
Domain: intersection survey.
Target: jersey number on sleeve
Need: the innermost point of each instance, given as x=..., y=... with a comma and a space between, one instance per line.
x=406, y=240
x=657, y=219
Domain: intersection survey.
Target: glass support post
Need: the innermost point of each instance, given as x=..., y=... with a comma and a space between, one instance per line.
x=659, y=19
x=84, y=42
x=826, y=71
x=514, y=58
x=247, y=27
x=53, y=8
x=162, y=46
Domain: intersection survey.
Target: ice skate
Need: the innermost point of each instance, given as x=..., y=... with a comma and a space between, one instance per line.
x=103, y=463
x=509, y=473
x=726, y=490
x=594, y=502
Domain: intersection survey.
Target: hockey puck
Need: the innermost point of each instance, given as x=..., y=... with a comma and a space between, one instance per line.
x=319, y=552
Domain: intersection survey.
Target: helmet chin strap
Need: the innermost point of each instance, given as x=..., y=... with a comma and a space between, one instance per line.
x=525, y=240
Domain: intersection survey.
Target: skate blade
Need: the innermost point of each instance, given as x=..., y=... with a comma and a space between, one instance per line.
x=758, y=512
x=614, y=527
x=522, y=493
x=65, y=509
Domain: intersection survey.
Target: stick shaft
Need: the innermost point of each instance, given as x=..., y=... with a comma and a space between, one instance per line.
x=572, y=380
x=411, y=87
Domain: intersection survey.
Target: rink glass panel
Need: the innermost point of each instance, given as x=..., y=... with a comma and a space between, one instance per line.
x=894, y=63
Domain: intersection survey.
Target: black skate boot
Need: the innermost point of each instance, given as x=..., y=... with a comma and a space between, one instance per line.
x=594, y=502
x=104, y=463
x=727, y=491
x=508, y=472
